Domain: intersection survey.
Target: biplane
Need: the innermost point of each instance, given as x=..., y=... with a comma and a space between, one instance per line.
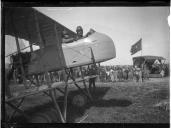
x=38, y=29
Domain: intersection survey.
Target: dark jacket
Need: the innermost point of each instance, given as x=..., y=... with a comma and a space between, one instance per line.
x=92, y=71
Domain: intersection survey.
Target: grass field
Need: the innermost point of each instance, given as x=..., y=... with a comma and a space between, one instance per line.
x=120, y=102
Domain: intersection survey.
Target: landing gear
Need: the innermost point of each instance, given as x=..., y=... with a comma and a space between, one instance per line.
x=48, y=116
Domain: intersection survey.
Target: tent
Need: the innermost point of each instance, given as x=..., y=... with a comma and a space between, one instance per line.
x=153, y=63
x=148, y=59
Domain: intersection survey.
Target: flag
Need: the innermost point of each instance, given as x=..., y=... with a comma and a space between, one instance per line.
x=136, y=47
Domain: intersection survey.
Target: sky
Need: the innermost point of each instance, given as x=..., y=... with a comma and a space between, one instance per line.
x=125, y=25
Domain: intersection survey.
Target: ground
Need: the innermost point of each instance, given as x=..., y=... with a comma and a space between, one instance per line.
x=119, y=102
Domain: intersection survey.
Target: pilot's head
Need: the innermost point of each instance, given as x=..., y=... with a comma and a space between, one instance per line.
x=79, y=31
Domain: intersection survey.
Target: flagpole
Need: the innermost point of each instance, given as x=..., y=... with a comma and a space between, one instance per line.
x=141, y=47
x=141, y=53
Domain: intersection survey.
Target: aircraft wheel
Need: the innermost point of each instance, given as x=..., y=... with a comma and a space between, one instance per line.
x=79, y=100
x=48, y=116
x=40, y=118
x=54, y=117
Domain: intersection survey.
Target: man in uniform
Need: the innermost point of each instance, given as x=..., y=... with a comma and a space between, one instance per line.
x=92, y=71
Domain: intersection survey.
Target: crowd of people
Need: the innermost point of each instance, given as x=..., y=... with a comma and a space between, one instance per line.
x=106, y=73
x=119, y=73
x=127, y=73
x=58, y=76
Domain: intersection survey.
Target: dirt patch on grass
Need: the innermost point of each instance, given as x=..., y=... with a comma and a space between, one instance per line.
x=141, y=110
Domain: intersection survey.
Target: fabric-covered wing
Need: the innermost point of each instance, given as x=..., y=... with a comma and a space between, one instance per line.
x=29, y=24
x=37, y=28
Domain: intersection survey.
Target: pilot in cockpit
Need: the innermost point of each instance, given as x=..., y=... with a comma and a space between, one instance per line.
x=79, y=35
x=79, y=31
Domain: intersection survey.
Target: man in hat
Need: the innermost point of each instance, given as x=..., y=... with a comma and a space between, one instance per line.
x=79, y=31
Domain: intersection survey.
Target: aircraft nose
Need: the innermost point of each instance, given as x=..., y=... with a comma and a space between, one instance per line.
x=106, y=44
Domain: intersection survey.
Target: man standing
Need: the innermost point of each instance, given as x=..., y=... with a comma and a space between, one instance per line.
x=126, y=73
x=92, y=71
x=138, y=74
x=115, y=73
x=111, y=73
x=130, y=74
x=120, y=75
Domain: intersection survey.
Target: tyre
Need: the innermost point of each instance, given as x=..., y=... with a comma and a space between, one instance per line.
x=48, y=116
x=40, y=118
